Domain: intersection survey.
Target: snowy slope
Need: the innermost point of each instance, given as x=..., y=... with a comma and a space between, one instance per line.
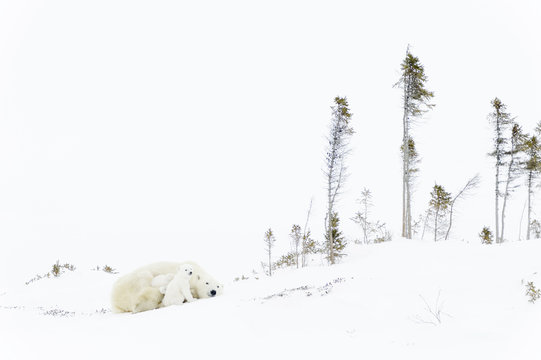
x=372, y=305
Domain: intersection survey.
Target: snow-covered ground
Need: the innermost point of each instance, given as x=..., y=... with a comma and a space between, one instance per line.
x=375, y=305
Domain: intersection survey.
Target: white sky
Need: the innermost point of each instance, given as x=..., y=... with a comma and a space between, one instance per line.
x=197, y=125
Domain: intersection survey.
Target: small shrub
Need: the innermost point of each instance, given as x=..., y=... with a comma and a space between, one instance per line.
x=241, y=278
x=486, y=236
x=285, y=261
x=109, y=269
x=381, y=232
x=383, y=237
x=106, y=269
x=310, y=246
x=57, y=270
x=532, y=292
x=535, y=227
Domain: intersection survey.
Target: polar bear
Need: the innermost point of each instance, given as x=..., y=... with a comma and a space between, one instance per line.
x=134, y=292
x=178, y=288
x=161, y=282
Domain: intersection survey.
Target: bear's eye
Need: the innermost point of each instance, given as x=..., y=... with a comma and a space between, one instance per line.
x=218, y=286
x=207, y=283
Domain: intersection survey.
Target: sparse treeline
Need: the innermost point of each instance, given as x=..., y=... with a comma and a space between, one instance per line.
x=516, y=155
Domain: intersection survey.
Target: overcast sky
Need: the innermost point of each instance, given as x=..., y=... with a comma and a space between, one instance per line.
x=195, y=126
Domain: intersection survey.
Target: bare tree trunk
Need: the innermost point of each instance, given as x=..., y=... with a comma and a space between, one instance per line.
x=450, y=219
x=270, y=263
x=304, y=235
x=405, y=163
x=365, y=226
x=297, y=253
x=506, y=194
x=436, y=225
x=520, y=223
x=529, y=203
x=497, y=205
x=404, y=202
x=408, y=211
x=503, y=216
x=329, y=234
x=472, y=183
x=424, y=226
x=329, y=223
x=404, y=179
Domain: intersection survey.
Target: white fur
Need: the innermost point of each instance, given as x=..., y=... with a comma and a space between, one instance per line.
x=134, y=292
x=161, y=282
x=178, y=288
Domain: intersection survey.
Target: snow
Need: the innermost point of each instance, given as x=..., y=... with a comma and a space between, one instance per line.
x=134, y=132
x=370, y=305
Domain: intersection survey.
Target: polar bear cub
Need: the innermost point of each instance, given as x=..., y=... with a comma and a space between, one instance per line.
x=177, y=288
x=161, y=281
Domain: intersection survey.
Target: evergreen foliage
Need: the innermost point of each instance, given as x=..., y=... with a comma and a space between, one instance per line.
x=440, y=201
x=535, y=227
x=486, y=236
x=373, y=232
x=532, y=292
x=413, y=80
x=58, y=269
x=296, y=237
x=269, y=243
x=416, y=101
x=414, y=159
x=532, y=167
x=338, y=141
x=309, y=245
x=338, y=244
x=513, y=167
x=106, y=268
x=290, y=259
x=501, y=120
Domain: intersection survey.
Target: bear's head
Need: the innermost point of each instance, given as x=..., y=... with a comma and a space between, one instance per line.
x=208, y=287
x=185, y=270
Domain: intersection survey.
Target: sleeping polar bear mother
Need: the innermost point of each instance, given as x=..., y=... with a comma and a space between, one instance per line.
x=134, y=292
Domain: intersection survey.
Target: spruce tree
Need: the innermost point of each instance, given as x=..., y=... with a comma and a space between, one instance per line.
x=416, y=101
x=513, y=167
x=535, y=226
x=500, y=120
x=440, y=200
x=338, y=148
x=411, y=174
x=486, y=236
x=335, y=247
x=361, y=217
x=532, y=166
x=296, y=237
x=309, y=246
x=269, y=243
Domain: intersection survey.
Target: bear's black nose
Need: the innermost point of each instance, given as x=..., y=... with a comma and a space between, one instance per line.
x=190, y=272
x=212, y=292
